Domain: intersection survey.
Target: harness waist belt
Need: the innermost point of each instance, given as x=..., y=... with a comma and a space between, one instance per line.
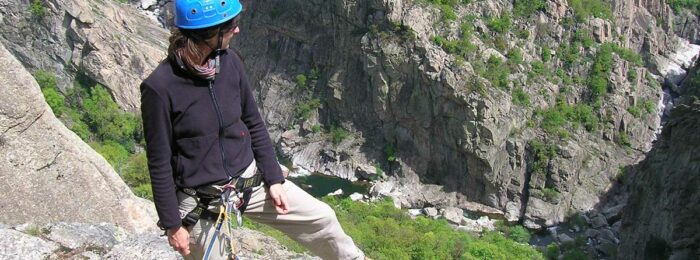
x=209, y=191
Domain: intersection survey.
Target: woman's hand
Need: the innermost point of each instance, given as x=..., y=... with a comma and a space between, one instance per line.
x=279, y=197
x=179, y=239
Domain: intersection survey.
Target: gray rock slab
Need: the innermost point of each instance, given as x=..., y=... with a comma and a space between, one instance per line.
x=42, y=159
x=75, y=235
x=144, y=246
x=18, y=245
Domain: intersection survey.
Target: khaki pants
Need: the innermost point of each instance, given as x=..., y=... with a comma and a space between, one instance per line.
x=310, y=222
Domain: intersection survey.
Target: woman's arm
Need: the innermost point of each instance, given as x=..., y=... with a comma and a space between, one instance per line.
x=158, y=133
x=263, y=149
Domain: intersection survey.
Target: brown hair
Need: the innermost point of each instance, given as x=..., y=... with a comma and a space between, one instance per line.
x=190, y=44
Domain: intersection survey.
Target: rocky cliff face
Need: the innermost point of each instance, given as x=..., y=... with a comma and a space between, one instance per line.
x=48, y=174
x=661, y=220
x=413, y=108
x=379, y=73
x=110, y=43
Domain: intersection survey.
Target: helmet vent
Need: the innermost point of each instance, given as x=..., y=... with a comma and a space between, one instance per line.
x=223, y=3
x=194, y=11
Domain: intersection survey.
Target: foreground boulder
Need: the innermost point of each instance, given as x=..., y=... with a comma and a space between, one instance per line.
x=107, y=241
x=47, y=173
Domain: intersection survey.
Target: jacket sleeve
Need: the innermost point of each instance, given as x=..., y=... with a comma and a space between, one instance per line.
x=158, y=134
x=263, y=150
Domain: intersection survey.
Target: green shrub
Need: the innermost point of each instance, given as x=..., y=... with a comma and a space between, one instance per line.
x=385, y=232
x=301, y=80
x=569, y=53
x=620, y=176
x=113, y=152
x=515, y=56
x=520, y=97
x=45, y=79
x=649, y=106
x=501, y=24
x=523, y=34
x=315, y=128
x=552, y=251
x=598, y=79
x=546, y=54
x=550, y=194
x=586, y=8
x=526, y=8
x=584, y=37
x=55, y=100
x=679, y=5
x=538, y=68
x=634, y=110
x=390, y=152
x=542, y=153
x=304, y=108
x=37, y=8
x=632, y=75
x=496, y=72
x=107, y=120
x=315, y=74
x=624, y=140
x=338, y=134
x=519, y=234
x=448, y=13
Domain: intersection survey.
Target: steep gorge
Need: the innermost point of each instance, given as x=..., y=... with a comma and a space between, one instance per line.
x=445, y=131
x=380, y=74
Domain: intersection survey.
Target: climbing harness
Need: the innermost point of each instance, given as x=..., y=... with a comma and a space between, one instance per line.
x=233, y=196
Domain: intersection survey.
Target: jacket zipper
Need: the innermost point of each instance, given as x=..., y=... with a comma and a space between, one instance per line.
x=221, y=127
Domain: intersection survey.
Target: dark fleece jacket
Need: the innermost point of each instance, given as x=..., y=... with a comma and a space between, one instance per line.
x=200, y=132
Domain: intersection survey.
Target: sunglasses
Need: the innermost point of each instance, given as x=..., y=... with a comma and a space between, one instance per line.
x=230, y=25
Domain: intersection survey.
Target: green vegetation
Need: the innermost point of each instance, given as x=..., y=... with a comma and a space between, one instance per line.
x=501, y=24
x=621, y=173
x=598, y=79
x=632, y=75
x=553, y=119
x=37, y=8
x=653, y=83
x=587, y=8
x=584, y=37
x=526, y=8
x=462, y=46
x=602, y=66
x=303, y=108
x=385, y=232
x=301, y=81
x=48, y=84
x=519, y=234
x=642, y=108
x=679, y=5
x=338, y=134
x=550, y=194
x=542, y=153
x=494, y=71
x=569, y=53
x=515, y=56
x=390, y=152
x=520, y=97
x=447, y=8
x=552, y=251
x=546, y=54
x=92, y=114
x=623, y=139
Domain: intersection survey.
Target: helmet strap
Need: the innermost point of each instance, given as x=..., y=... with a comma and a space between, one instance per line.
x=219, y=50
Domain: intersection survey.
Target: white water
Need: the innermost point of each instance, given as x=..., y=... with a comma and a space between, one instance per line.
x=675, y=68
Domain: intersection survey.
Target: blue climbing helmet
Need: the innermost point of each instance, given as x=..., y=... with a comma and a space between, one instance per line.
x=197, y=14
